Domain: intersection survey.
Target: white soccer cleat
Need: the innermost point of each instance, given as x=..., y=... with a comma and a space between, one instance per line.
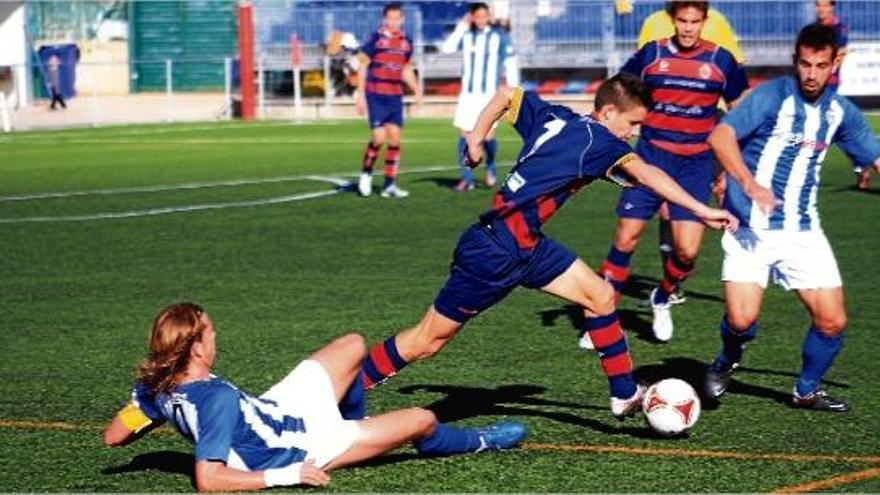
x=624, y=408
x=393, y=191
x=662, y=325
x=365, y=184
x=586, y=342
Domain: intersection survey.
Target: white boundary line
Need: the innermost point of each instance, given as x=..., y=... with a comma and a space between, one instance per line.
x=175, y=209
x=340, y=183
x=338, y=180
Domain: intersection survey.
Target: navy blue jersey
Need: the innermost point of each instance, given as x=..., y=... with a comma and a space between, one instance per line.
x=562, y=151
x=685, y=87
x=227, y=424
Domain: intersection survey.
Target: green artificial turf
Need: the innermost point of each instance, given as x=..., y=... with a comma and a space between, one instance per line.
x=76, y=298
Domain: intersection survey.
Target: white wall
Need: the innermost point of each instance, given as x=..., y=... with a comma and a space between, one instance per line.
x=13, y=47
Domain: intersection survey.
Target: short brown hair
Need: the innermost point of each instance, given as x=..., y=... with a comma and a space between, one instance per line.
x=625, y=91
x=673, y=6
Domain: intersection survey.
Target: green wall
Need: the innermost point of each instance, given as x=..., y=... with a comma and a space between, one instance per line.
x=195, y=34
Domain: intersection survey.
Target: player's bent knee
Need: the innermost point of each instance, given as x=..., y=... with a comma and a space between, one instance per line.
x=356, y=343
x=832, y=325
x=425, y=419
x=603, y=300
x=741, y=322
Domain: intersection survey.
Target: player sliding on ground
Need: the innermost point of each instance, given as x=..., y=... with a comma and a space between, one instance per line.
x=310, y=422
x=772, y=147
x=563, y=151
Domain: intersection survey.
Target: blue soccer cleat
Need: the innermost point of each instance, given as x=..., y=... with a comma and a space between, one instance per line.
x=501, y=436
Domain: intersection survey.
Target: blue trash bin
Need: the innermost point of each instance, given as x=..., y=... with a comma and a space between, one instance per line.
x=68, y=56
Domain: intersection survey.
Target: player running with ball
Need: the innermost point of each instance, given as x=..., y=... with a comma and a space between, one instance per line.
x=563, y=151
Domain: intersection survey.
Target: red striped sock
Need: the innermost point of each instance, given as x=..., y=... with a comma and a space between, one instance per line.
x=370, y=155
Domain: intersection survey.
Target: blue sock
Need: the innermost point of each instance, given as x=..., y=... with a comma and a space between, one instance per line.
x=448, y=439
x=466, y=173
x=818, y=351
x=491, y=150
x=354, y=403
x=733, y=343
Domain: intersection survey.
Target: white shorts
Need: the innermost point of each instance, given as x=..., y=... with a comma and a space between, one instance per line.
x=307, y=393
x=469, y=107
x=795, y=260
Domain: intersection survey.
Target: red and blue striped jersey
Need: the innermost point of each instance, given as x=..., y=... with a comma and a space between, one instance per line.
x=389, y=52
x=841, y=39
x=686, y=87
x=562, y=152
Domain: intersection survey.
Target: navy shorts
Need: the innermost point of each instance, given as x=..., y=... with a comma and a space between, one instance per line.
x=384, y=109
x=693, y=173
x=486, y=268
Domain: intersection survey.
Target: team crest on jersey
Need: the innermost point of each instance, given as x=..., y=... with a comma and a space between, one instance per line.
x=705, y=71
x=664, y=66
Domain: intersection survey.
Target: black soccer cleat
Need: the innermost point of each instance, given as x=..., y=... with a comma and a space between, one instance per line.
x=819, y=401
x=717, y=381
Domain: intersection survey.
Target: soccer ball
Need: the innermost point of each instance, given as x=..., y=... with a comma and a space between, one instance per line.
x=671, y=407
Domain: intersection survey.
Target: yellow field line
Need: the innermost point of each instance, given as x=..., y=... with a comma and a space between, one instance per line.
x=702, y=453
x=605, y=449
x=842, y=479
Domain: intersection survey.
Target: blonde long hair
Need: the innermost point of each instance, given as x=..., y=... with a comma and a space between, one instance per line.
x=175, y=329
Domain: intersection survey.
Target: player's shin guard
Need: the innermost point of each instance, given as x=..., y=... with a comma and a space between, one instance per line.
x=733, y=342
x=467, y=174
x=370, y=155
x=382, y=363
x=818, y=352
x=613, y=351
x=675, y=272
x=615, y=269
x=354, y=403
x=448, y=439
x=491, y=150
x=392, y=163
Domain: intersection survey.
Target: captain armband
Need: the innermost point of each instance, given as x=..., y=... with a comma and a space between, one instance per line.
x=133, y=418
x=515, y=104
x=616, y=173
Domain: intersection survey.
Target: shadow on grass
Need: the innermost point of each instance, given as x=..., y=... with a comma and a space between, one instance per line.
x=450, y=182
x=166, y=461
x=462, y=402
x=693, y=371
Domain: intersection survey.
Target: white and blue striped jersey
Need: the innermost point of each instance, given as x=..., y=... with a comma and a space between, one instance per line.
x=784, y=139
x=227, y=424
x=486, y=55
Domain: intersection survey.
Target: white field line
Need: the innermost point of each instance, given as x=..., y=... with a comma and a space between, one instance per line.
x=336, y=179
x=123, y=131
x=340, y=183
x=174, y=209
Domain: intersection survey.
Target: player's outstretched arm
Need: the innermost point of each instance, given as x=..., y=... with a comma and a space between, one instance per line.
x=663, y=185
x=128, y=425
x=215, y=476
x=724, y=144
x=494, y=110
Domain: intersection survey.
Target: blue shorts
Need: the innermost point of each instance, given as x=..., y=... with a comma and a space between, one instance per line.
x=485, y=269
x=693, y=173
x=384, y=109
